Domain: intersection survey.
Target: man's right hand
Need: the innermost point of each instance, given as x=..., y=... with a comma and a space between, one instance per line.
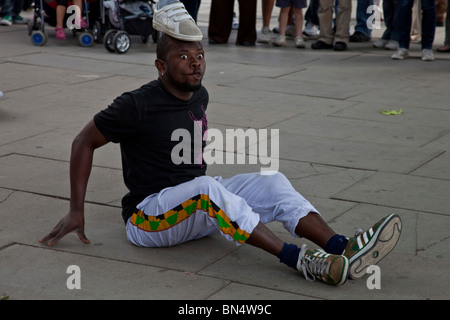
x=72, y=222
x=83, y=148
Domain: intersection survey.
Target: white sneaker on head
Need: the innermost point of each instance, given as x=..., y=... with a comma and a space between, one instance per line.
x=176, y=22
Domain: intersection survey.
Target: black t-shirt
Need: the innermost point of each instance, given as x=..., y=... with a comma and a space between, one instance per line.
x=143, y=122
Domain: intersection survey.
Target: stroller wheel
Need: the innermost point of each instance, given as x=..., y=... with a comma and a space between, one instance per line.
x=86, y=39
x=121, y=42
x=39, y=38
x=108, y=40
x=97, y=32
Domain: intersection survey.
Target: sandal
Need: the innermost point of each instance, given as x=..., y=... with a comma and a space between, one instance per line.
x=444, y=48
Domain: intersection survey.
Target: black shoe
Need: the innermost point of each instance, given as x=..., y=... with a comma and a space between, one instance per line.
x=358, y=36
x=246, y=43
x=213, y=41
x=340, y=46
x=321, y=45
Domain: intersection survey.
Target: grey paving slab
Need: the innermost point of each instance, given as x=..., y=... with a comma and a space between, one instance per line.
x=355, y=154
x=68, y=62
x=401, y=191
x=321, y=181
x=433, y=244
x=402, y=277
x=245, y=292
x=10, y=132
x=20, y=172
x=14, y=42
x=99, y=278
x=443, y=143
x=36, y=75
x=58, y=105
x=362, y=130
x=223, y=70
x=436, y=168
x=105, y=229
x=249, y=117
x=260, y=98
x=4, y=194
x=56, y=144
x=413, y=95
x=412, y=116
x=243, y=96
x=336, y=91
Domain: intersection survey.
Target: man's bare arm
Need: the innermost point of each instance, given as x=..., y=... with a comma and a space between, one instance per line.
x=83, y=146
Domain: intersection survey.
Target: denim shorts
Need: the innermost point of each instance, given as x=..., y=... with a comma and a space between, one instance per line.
x=299, y=4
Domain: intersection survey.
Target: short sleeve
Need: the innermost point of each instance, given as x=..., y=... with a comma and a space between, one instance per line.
x=118, y=122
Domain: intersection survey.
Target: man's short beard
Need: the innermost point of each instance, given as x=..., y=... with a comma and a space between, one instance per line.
x=185, y=86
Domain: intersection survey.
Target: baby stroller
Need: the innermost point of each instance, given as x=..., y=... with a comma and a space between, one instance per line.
x=121, y=18
x=44, y=11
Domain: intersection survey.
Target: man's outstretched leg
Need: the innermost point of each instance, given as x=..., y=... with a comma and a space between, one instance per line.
x=341, y=257
x=274, y=198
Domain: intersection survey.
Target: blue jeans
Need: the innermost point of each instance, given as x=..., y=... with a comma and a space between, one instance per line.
x=390, y=12
x=428, y=23
x=311, y=12
x=192, y=7
x=362, y=16
x=11, y=7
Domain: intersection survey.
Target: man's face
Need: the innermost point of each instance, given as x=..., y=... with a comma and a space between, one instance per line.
x=185, y=65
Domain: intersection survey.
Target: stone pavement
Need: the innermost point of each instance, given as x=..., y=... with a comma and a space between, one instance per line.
x=353, y=162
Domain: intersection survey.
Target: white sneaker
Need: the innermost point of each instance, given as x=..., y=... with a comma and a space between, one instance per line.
x=427, y=55
x=391, y=45
x=6, y=21
x=279, y=41
x=299, y=42
x=400, y=54
x=176, y=22
x=380, y=43
x=265, y=35
x=311, y=31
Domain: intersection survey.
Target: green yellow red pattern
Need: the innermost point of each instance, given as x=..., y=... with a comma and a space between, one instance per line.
x=185, y=210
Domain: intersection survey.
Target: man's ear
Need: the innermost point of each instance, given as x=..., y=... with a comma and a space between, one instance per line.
x=160, y=65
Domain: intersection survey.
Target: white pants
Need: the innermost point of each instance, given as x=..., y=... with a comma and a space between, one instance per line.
x=206, y=205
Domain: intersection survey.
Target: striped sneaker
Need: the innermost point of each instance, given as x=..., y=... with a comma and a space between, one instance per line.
x=317, y=264
x=369, y=247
